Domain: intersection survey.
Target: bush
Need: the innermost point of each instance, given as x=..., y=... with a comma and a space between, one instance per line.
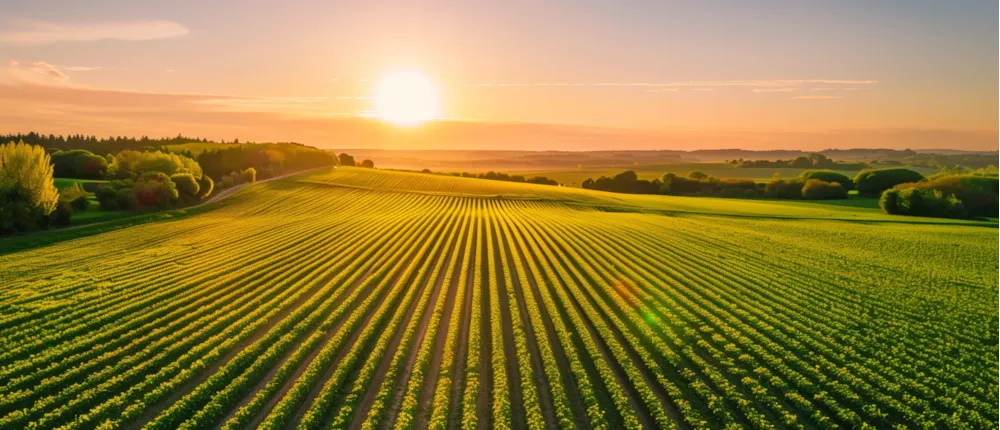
x=154, y=189
x=828, y=176
x=205, y=186
x=130, y=163
x=815, y=189
x=368, y=164
x=27, y=192
x=922, y=202
x=186, y=184
x=78, y=163
x=250, y=175
x=80, y=204
x=107, y=198
x=784, y=188
x=227, y=181
x=125, y=199
x=889, y=201
x=873, y=182
x=63, y=215
x=345, y=160
x=978, y=194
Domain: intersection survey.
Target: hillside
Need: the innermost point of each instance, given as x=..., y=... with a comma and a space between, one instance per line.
x=399, y=299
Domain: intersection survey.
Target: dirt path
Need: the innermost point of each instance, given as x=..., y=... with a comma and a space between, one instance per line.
x=232, y=190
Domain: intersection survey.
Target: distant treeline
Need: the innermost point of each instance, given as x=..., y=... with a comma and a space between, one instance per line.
x=498, y=176
x=813, y=161
x=953, y=193
x=98, y=145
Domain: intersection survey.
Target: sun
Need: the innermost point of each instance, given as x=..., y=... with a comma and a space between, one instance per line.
x=406, y=98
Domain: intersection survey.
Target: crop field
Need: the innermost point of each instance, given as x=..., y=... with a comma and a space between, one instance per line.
x=357, y=298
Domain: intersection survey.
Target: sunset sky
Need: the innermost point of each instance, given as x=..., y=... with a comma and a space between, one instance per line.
x=510, y=75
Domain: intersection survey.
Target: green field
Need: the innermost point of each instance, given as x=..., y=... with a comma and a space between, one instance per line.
x=62, y=183
x=575, y=177
x=372, y=299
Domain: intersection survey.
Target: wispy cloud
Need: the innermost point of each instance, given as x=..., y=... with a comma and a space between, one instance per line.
x=835, y=89
x=81, y=68
x=48, y=70
x=44, y=33
x=816, y=97
x=695, y=84
x=774, y=90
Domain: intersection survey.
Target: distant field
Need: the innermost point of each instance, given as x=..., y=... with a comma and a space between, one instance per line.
x=355, y=297
x=575, y=177
x=62, y=183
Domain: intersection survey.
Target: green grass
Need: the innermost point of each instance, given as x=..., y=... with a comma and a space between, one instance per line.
x=354, y=296
x=62, y=183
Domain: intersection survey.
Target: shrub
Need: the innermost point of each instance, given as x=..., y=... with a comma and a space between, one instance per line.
x=889, y=201
x=368, y=163
x=816, y=189
x=237, y=177
x=696, y=175
x=205, y=186
x=80, y=204
x=922, y=202
x=873, y=182
x=63, y=214
x=250, y=175
x=978, y=194
x=125, y=199
x=186, y=184
x=227, y=181
x=345, y=160
x=107, y=198
x=27, y=192
x=130, y=163
x=828, y=176
x=154, y=189
x=784, y=188
x=78, y=163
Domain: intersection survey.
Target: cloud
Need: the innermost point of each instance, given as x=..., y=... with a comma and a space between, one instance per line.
x=81, y=68
x=48, y=70
x=774, y=90
x=816, y=97
x=26, y=33
x=835, y=89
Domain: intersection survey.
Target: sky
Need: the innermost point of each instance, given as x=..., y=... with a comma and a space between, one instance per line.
x=564, y=75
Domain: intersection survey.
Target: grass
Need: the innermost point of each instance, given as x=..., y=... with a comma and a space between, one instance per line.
x=411, y=300
x=62, y=183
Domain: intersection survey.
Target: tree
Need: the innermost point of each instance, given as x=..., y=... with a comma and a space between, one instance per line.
x=186, y=184
x=828, y=176
x=154, y=189
x=697, y=175
x=346, y=160
x=205, y=186
x=368, y=164
x=250, y=175
x=873, y=182
x=27, y=191
x=816, y=189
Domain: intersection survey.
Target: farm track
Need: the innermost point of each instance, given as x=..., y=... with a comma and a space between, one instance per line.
x=298, y=304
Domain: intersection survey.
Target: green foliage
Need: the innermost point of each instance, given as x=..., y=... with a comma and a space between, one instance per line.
x=79, y=163
x=828, y=176
x=205, y=186
x=250, y=175
x=921, y=202
x=154, y=189
x=186, y=184
x=784, y=188
x=27, y=191
x=815, y=189
x=345, y=160
x=80, y=204
x=978, y=194
x=873, y=182
x=130, y=164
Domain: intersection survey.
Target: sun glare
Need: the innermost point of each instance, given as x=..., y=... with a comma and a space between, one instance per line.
x=406, y=98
